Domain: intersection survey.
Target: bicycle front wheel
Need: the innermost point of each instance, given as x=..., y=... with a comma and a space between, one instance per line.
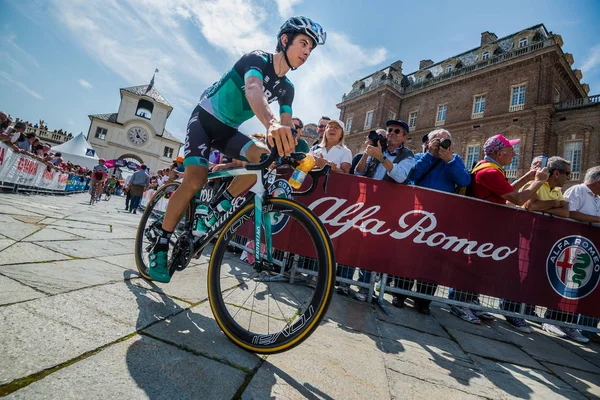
x=277, y=308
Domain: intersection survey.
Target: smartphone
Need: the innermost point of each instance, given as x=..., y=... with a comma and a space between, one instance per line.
x=544, y=162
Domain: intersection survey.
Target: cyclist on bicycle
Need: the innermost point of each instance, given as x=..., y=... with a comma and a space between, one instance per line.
x=255, y=80
x=109, y=187
x=99, y=175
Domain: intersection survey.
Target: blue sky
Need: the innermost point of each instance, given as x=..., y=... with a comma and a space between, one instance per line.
x=65, y=59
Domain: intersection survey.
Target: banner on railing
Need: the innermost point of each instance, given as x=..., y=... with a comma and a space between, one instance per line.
x=22, y=170
x=459, y=242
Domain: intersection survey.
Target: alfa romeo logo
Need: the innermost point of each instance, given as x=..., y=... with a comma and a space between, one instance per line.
x=573, y=267
x=280, y=188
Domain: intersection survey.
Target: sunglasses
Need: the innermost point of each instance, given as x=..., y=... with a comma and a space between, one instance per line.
x=298, y=126
x=322, y=126
x=396, y=131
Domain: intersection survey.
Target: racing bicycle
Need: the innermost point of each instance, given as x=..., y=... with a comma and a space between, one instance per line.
x=273, y=304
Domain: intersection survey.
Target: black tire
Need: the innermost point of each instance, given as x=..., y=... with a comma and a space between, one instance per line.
x=310, y=308
x=150, y=216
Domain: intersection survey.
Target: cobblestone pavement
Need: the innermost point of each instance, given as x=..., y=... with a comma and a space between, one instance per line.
x=76, y=321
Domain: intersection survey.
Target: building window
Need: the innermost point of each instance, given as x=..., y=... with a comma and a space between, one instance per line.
x=517, y=100
x=412, y=120
x=449, y=68
x=556, y=96
x=391, y=115
x=478, y=107
x=369, y=119
x=485, y=56
x=168, y=152
x=349, y=125
x=441, y=114
x=522, y=43
x=100, y=133
x=472, y=156
x=573, y=154
x=419, y=79
x=511, y=170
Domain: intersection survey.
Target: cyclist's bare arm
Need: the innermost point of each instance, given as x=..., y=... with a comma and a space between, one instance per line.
x=277, y=134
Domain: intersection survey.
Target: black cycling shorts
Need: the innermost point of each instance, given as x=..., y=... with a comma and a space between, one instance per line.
x=204, y=132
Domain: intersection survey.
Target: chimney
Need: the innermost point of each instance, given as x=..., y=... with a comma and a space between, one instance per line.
x=488, y=37
x=425, y=63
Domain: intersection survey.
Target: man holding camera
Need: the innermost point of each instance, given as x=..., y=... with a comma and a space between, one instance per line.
x=436, y=168
x=385, y=157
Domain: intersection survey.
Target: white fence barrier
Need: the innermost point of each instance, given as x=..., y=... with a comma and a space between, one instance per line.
x=20, y=172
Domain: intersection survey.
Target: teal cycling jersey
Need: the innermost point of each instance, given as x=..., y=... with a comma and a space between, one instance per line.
x=226, y=99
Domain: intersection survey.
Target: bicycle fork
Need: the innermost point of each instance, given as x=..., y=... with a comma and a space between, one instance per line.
x=262, y=220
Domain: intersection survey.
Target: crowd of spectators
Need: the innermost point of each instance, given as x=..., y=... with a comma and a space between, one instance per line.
x=14, y=136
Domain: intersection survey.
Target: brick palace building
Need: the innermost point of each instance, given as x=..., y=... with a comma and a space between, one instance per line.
x=521, y=85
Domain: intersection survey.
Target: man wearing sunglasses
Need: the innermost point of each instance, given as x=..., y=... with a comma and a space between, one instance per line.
x=321, y=129
x=392, y=164
x=301, y=144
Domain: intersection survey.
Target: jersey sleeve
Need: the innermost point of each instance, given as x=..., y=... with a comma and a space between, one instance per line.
x=285, y=101
x=494, y=181
x=252, y=64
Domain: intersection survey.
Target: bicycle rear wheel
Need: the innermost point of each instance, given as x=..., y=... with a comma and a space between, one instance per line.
x=275, y=310
x=153, y=214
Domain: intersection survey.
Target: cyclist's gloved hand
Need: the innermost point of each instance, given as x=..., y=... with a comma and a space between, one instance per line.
x=280, y=136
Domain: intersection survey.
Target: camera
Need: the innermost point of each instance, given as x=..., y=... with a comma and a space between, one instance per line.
x=376, y=138
x=445, y=143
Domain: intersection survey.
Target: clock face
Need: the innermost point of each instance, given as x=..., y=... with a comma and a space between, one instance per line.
x=138, y=136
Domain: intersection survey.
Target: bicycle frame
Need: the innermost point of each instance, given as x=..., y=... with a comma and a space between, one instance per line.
x=257, y=191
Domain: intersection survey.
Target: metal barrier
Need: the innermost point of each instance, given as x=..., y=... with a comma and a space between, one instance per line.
x=295, y=267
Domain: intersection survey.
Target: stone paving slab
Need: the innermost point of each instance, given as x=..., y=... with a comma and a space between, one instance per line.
x=586, y=383
x=63, y=276
x=131, y=370
x=518, y=382
x=410, y=318
x=102, y=235
x=188, y=285
x=488, y=329
x=12, y=210
x=407, y=387
x=4, y=243
x=28, y=219
x=332, y=364
x=16, y=230
x=29, y=253
x=99, y=226
x=352, y=315
x=126, y=261
x=589, y=351
x=196, y=329
x=45, y=332
x=405, y=337
x=90, y=248
x=543, y=348
x=493, y=349
x=12, y=291
x=440, y=370
x=51, y=234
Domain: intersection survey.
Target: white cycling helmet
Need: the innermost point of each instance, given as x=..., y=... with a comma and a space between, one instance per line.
x=301, y=25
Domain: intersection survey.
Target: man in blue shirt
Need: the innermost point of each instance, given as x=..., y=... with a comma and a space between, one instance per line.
x=437, y=168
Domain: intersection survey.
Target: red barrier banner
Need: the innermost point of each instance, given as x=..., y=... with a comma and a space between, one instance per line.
x=459, y=242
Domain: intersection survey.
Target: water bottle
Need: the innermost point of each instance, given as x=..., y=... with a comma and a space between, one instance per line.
x=299, y=174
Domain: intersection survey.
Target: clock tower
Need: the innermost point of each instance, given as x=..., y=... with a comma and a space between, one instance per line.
x=137, y=132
